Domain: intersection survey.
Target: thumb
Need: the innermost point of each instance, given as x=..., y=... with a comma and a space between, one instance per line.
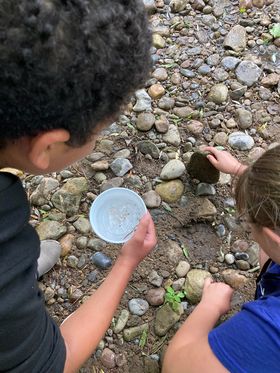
x=208, y=281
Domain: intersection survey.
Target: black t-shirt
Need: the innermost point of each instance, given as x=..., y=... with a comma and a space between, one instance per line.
x=30, y=341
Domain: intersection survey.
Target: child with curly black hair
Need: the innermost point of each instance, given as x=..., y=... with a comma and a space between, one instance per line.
x=66, y=67
x=249, y=342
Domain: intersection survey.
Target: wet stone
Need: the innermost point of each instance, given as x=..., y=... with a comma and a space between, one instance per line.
x=241, y=256
x=200, y=168
x=101, y=260
x=204, y=189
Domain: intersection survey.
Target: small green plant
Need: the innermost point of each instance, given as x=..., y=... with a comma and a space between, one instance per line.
x=174, y=298
x=185, y=251
x=143, y=338
x=242, y=10
x=275, y=30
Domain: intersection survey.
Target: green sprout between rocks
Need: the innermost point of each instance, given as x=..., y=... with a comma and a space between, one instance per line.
x=242, y=10
x=174, y=298
x=185, y=251
x=275, y=31
x=143, y=339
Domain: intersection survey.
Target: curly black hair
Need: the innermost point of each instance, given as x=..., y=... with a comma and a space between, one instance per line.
x=69, y=63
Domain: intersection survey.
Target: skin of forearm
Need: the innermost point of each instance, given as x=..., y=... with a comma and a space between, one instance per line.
x=241, y=169
x=197, y=325
x=83, y=330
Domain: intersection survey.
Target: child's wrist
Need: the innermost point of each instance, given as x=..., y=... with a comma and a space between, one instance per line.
x=210, y=309
x=240, y=169
x=127, y=261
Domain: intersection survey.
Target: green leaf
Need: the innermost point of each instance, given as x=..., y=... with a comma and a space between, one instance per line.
x=275, y=30
x=185, y=251
x=170, y=290
x=143, y=339
x=181, y=295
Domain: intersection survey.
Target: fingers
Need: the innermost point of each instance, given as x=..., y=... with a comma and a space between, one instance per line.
x=212, y=160
x=213, y=150
x=208, y=281
x=151, y=236
x=142, y=227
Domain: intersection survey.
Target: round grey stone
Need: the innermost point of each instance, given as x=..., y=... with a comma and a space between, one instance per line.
x=172, y=170
x=138, y=306
x=248, y=73
x=240, y=141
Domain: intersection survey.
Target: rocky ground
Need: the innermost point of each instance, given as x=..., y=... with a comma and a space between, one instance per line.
x=216, y=80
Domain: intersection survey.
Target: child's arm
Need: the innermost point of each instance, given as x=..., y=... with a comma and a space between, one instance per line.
x=189, y=350
x=83, y=330
x=224, y=161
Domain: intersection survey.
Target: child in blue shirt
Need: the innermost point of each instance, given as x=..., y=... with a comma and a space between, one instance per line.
x=249, y=342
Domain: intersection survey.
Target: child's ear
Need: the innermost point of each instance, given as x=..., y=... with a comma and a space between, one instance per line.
x=272, y=236
x=41, y=146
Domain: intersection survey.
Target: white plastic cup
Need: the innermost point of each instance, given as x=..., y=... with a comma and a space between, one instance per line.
x=115, y=214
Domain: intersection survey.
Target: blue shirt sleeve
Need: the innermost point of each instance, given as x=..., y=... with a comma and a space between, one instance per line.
x=249, y=342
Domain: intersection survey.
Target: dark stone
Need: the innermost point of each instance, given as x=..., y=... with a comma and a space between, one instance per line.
x=101, y=260
x=200, y=168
